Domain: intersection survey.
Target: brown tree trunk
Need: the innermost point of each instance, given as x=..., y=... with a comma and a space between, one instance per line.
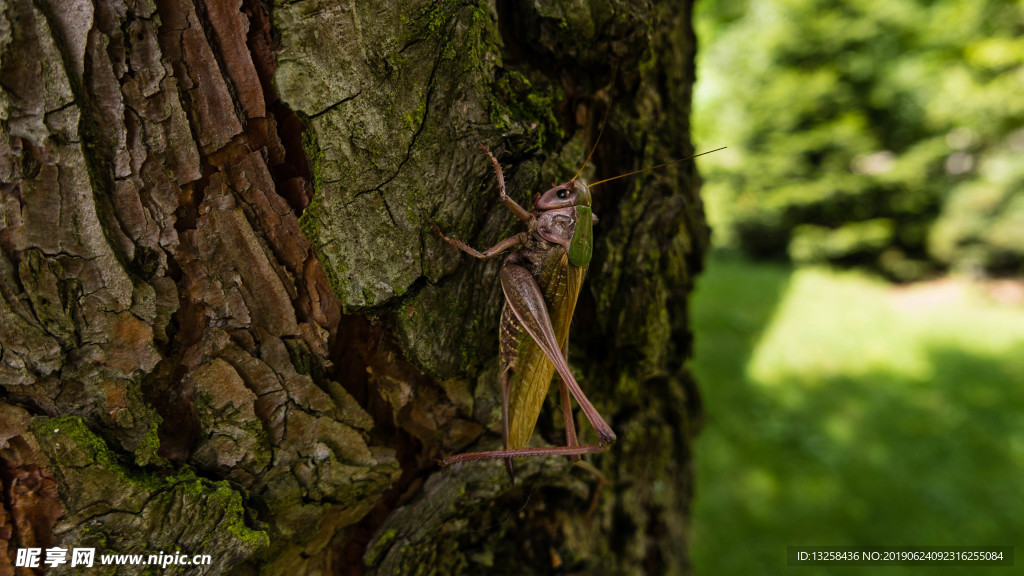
x=226, y=327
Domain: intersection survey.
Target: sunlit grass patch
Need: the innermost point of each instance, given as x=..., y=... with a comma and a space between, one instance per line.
x=842, y=410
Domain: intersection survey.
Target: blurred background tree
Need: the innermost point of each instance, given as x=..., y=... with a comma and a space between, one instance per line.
x=841, y=408
x=881, y=133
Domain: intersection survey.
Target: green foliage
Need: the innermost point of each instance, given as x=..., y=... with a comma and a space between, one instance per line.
x=844, y=114
x=982, y=223
x=843, y=411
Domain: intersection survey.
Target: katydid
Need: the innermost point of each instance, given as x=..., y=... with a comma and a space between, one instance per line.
x=541, y=281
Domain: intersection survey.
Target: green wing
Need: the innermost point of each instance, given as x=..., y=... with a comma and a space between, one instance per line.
x=560, y=286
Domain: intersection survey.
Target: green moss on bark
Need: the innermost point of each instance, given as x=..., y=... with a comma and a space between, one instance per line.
x=132, y=510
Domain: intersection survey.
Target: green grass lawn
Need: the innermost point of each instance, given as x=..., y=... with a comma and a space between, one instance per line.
x=841, y=410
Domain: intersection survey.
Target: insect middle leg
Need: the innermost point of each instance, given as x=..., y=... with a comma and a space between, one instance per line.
x=509, y=203
x=490, y=252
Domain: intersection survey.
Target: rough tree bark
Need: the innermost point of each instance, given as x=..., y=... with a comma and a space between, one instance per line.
x=225, y=325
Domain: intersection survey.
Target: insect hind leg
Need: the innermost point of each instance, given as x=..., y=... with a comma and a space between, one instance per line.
x=570, y=421
x=504, y=382
x=524, y=452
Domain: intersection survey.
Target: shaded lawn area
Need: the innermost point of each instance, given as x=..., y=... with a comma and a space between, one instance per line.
x=841, y=410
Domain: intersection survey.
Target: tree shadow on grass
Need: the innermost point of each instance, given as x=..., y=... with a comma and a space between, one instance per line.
x=933, y=457
x=881, y=459
x=734, y=303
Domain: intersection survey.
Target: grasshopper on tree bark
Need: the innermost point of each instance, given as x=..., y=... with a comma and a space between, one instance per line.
x=541, y=281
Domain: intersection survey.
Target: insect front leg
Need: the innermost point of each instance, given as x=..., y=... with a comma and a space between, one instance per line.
x=509, y=203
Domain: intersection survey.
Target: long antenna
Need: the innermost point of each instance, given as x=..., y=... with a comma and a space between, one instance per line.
x=653, y=167
x=604, y=123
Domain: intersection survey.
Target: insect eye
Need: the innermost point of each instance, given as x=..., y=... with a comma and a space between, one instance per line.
x=563, y=194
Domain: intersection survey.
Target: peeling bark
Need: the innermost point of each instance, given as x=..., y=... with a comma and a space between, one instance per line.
x=226, y=327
